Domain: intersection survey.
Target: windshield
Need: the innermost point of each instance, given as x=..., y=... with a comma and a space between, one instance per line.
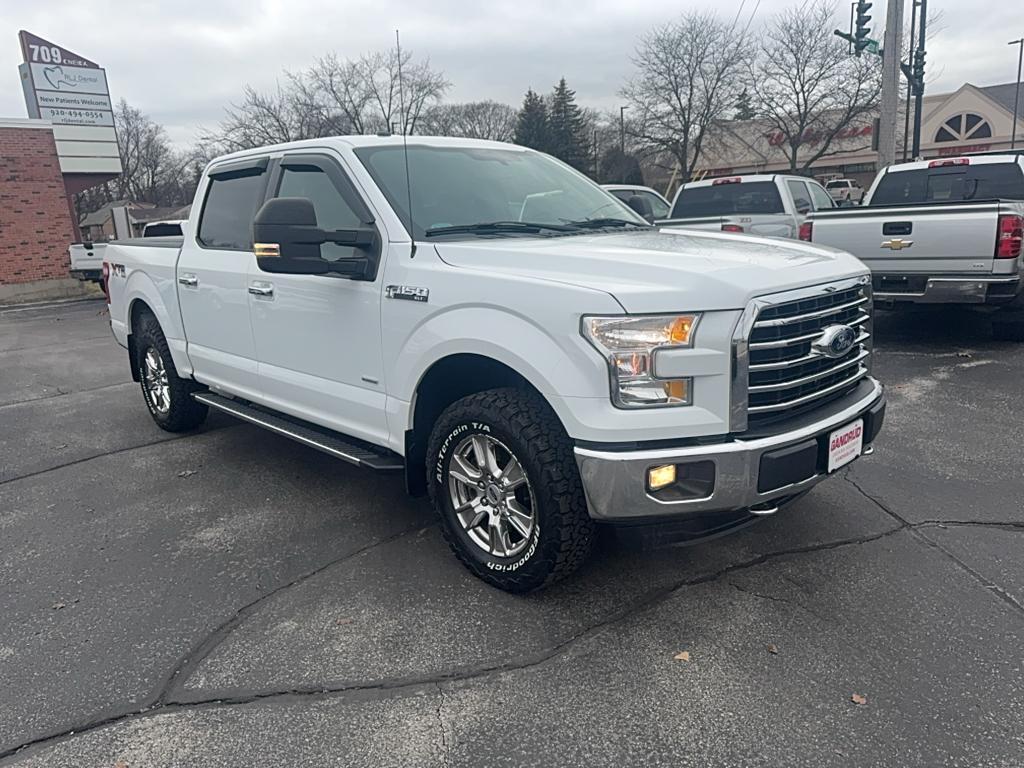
x=951, y=183
x=726, y=199
x=466, y=186
x=837, y=185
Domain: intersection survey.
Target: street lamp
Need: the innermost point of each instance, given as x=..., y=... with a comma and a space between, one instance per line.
x=622, y=129
x=1016, y=96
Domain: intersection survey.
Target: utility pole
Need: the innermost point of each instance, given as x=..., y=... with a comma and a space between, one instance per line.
x=919, y=78
x=1016, y=96
x=622, y=129
x=887, y=115
x=910, y=89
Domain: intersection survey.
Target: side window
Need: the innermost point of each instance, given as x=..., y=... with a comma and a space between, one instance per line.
x=231, y=203
x=821, y=199
x=658, y=205
x=333, y=211
x=801, y=200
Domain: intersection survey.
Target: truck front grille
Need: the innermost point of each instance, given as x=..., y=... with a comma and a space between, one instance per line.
x=786, y=376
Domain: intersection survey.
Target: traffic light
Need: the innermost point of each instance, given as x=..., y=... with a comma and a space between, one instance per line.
x=919, y=65
x=861, y=32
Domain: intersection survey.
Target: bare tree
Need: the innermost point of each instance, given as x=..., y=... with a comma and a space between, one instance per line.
x=333, y=96
x=472, y=120
x=689, y=75
x=153, y=171
x=807, y=87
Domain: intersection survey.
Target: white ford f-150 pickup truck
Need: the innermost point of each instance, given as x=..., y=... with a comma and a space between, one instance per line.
x=511, y=337
x=944, y=231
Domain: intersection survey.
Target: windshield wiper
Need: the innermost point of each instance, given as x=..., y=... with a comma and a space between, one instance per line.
x=490, y=227
x=606, y=222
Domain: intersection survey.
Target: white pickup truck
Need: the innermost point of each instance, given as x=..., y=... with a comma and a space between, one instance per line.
x=511, y=337
x=770, y=205
x=943, y=231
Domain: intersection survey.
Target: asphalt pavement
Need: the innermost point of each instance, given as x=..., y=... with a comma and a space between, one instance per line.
x=230, y=598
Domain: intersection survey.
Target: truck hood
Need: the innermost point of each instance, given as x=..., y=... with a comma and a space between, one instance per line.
x=660, y=270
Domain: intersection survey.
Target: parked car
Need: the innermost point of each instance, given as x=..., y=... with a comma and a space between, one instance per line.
x=520, y=345
x=660, y=207
x=171, y=228
x=945, y=231
x=772, y=205
x=86, y=260
x=845, y=191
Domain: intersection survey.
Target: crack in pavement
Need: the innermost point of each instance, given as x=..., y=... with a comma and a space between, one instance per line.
x=446, y=748
x=780, y=599
x=118, y=451
x=915, y=530
x=62, y=393
x=163, y=703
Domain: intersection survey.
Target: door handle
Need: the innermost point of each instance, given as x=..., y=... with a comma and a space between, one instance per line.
x=261, y=289
x=188, y=280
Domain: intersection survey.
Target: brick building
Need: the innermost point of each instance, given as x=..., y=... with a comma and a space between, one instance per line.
x=36, y=215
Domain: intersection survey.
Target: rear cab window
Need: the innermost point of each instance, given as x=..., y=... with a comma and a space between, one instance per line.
x=727, y=199
x=951, y=183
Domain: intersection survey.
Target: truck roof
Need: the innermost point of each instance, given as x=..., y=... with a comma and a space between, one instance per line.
x=986, y=159
x=745, y=178
x=372, y=141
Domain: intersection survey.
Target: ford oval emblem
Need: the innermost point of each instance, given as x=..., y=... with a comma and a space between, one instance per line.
x=835, y=341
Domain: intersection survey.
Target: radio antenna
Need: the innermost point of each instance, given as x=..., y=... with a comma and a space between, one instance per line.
x=405, y=145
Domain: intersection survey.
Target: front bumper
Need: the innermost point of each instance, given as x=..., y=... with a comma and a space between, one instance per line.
x=921, y=289
x=737, y=474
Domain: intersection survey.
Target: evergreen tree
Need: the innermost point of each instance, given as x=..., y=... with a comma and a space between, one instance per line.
x=532, y=124
x=744, y=107
x=568, y=128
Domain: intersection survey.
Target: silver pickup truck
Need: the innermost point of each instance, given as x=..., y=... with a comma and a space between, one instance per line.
x=770, y=205
x=945, y=231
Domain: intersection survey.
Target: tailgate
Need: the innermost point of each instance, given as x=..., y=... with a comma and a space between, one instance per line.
x=934, y=240
x=87, y=258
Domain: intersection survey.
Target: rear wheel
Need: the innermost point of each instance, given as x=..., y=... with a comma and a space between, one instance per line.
x=167, y=395
x=503, y=479
x=1008, y=322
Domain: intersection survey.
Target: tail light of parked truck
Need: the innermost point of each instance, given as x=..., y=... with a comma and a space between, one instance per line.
x=732, y=228
x=105, y=278
x=807, y=231
x=1009, y=236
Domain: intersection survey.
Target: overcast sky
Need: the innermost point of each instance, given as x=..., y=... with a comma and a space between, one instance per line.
x=181, y=61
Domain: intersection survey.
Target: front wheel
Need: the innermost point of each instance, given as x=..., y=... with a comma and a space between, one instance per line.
x=503, y=479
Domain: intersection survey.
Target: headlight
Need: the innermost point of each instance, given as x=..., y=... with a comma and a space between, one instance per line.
x=629, y=344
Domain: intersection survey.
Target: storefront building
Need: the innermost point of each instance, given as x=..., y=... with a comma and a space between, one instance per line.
x=971, y=119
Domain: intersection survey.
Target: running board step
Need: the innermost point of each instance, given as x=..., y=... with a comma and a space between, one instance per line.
x=341, y=447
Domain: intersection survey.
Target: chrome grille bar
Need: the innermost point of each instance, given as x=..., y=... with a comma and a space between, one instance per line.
x=857, y=376
x=800, y=339
x=864, y=336
x=790, y=383
x=811, y=315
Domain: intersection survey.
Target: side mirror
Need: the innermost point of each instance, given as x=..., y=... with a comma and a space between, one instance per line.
x=642, y=206
x=287, y=240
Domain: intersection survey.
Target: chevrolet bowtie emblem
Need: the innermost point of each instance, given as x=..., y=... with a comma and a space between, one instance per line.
x=897, y=244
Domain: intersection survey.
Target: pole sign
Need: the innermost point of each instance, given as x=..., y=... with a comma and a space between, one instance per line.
x=62, y=86
x=70, y=91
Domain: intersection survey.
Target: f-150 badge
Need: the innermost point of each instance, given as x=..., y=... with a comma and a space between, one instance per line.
x=407, y=292
x=897, y=244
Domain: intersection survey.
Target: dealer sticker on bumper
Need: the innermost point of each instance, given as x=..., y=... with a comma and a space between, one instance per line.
x=845, y=445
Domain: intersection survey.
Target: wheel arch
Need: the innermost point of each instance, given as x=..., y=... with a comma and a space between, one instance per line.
x=447, y=380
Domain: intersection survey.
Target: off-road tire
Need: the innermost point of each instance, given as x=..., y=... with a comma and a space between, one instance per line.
x=184, y=413
x=564, y=532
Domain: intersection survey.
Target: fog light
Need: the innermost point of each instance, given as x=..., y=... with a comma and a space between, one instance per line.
x=659, y=477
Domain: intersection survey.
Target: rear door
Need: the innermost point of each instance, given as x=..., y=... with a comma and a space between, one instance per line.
x=212, y=277
x=318, y=336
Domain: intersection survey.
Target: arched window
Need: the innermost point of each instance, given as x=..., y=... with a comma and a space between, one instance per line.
x=963, y=127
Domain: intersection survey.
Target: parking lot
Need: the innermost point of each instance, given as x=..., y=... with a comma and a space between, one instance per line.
x=232, y=598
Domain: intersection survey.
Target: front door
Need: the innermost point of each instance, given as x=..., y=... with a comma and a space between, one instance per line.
x=212, y=277
x=318, y=336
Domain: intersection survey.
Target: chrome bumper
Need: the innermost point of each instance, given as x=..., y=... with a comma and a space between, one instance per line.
x=955, y=290
x=615, y=482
